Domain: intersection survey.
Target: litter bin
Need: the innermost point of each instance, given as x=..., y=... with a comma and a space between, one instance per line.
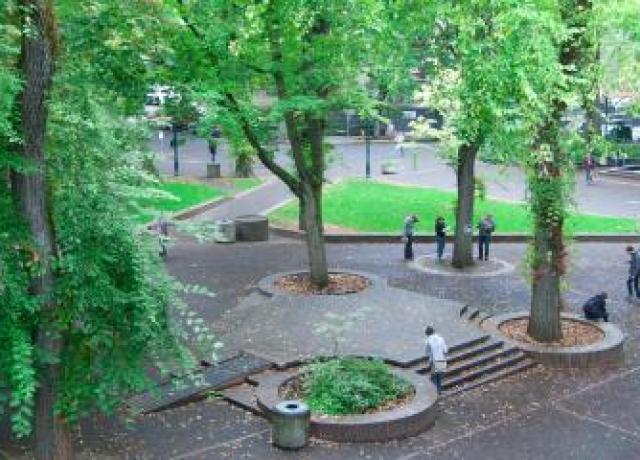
x=224, y=231
x=290, y=425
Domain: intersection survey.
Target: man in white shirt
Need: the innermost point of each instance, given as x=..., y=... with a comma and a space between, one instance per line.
x=436, y=350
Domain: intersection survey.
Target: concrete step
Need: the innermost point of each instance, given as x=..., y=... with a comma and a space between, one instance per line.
x=472, y=355
x=468, y=312
x=244, y=397
x=473, y=315
x=476, y=349
x=257, y=379
x=477, y=372
x=453, y=350
x=469, y=344
x=227, y=373
x=479, y=360
x=481, y=317
x=505, y=372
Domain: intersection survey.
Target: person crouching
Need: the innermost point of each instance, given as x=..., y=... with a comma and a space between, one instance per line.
x=596, y=308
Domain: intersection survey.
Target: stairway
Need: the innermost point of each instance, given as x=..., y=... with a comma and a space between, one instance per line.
x=477, y=363
x=481, y=361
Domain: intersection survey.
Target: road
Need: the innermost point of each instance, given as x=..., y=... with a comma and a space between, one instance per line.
x=420, y=165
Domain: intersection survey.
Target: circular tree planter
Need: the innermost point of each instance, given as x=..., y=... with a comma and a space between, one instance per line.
x=298, y=283
x=414, y=416
x=601, y=344
x=493, y=267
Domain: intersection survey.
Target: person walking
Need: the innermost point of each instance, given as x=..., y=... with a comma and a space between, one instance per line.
x=589, y=168
x=436, y=350
x=634, y=272
x=485, y=228
x=441, y=236
x=408, y=235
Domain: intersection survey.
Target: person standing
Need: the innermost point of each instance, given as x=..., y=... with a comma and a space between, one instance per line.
x=485, y=228
x=634, y=272
x=436, y=350
x=589, y=167
x=441, y=236
x=408, y=235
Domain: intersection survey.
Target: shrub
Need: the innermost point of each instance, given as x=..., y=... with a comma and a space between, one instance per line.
x=350, y=385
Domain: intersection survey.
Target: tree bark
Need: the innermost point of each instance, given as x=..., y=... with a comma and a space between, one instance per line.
x=544, y=323
x=465, y=174
x=312, y=198
x=30, y=191
x=243, y=166
x=302, y=215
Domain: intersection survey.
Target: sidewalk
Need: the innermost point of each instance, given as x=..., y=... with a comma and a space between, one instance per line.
x=254, y=201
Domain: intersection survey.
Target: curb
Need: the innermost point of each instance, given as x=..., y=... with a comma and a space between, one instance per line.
x=415, y=416
x=607, y=352
x=499, y=238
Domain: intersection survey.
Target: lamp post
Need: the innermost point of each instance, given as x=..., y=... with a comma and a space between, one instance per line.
x=367, y=147
x=176, y=166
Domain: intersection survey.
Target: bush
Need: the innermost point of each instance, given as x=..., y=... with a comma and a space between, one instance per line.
x=343, y=386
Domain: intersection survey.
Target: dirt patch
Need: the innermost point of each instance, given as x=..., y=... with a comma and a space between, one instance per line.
x=339, y=283
x=574, y=333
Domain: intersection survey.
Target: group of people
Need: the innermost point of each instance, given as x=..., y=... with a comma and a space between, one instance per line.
x=486, y=227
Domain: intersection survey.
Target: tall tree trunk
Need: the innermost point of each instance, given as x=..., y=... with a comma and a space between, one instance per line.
x=548, y=192
x=544, y=323
x=312, y=197
x=465, y=173
x=31, y=193
x=548, y=197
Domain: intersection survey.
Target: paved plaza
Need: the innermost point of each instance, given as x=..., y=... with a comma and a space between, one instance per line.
x=537, y=414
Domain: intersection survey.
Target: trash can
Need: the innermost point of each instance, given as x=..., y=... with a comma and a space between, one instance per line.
x=290, y=425
x=224, y=231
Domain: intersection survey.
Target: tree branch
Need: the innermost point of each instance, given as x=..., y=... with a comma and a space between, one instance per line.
x=231, y=104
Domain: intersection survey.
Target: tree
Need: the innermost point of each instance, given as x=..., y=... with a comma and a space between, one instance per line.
x=484, y=85
x=308, y=56
x=549, y=167
x=85, y=301
x=30, y=190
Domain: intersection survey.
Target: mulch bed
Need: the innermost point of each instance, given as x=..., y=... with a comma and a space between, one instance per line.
x=574, y=333
x=339, y=283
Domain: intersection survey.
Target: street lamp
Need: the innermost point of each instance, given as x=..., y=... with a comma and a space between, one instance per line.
x=176, y=166
x=367, y=147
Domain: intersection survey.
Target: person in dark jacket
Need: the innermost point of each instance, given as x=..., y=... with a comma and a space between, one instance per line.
x=408, y=234
x=634, y=272
x=485, y=228
x=595, y=308
x=441, y=236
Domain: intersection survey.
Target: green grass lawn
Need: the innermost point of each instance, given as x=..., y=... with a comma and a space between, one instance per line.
x=188, y=194
x=378, y=207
